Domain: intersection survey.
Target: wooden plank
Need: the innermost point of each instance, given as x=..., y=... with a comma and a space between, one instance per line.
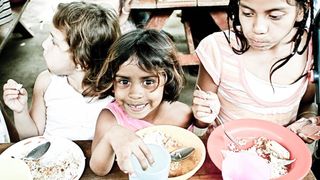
x=212, y=2
x=188, y=59
x=189, y=38
x=143, y=4
x=220, y=18
x=7, y=29
x=176, y=3
x=158, y=19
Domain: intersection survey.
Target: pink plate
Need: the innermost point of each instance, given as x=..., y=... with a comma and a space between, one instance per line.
x=250, y=128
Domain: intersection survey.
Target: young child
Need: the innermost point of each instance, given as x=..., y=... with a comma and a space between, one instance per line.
x=63, y=102
x=258, y=68
x=143, y=73
x=123, y=10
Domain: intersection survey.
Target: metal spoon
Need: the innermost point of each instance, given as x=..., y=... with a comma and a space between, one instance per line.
x=182, y=153
x=229, y=136
x=38, y=151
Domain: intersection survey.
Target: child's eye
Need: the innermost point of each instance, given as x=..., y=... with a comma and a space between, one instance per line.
x=123, y=82
x=275, y=17
x=247, y=14
x=54, y=43
x=149, y=82
x=52, y=40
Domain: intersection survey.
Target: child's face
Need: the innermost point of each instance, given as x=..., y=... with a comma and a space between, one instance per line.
x=137, y=91
x=55, y=51
x=267, y=23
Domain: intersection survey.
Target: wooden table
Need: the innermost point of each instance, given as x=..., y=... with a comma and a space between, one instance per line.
x=14, y=25
x=208, y=171
x=160, y=11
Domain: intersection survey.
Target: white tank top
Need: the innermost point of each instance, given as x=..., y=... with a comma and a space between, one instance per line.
x=69, y=114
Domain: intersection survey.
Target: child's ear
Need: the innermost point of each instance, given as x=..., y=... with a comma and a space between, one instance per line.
x=300, y=15
x=301, y=12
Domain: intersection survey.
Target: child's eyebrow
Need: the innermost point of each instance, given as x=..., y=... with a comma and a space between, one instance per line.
x=143, y=77
x=120, y=76
x=269, y=10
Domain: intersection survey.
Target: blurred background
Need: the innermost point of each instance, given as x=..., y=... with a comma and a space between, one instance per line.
x=22, y=60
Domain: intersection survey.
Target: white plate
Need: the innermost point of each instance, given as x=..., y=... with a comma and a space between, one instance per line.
x=62, y=154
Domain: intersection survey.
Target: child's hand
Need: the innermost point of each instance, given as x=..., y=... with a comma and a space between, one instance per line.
x=297, y=127
x=126, y=143
x=14, y=96
x=206, y=106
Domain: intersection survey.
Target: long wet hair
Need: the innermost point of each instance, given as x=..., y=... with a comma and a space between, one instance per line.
x=90, y=30
x=154, y=52
x=305, y=5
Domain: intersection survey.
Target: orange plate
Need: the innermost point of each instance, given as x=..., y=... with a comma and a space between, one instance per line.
x=249, y=128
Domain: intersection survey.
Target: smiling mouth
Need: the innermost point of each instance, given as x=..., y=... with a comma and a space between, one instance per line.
x=137, y=107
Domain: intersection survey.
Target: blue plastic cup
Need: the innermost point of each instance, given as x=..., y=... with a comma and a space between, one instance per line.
x=158, y=170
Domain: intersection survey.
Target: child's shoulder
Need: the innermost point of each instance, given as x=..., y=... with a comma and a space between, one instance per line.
x=177, y=113
x=43, y=80
x=219, y=38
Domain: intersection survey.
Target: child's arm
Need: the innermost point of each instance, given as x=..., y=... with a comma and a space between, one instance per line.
x=306, y=114
x=206, y=105
x=15, y=99
x=114, y=142
x=125, y=12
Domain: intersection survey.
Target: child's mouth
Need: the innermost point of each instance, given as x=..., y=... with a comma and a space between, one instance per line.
x=137, y=107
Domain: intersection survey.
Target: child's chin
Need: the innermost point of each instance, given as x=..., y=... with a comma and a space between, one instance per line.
x=138, y=115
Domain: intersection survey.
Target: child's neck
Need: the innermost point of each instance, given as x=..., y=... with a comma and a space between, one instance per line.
x=154, y=115
x=75, y=80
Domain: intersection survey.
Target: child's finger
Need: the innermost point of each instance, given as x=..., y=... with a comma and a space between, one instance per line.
x=204, y=109
x=201, y=102
x=141, y=158
x=147, y=153
x=205, y=117
x=305, y=138
x=126, y=166
x=11, y=84
x=200, y=94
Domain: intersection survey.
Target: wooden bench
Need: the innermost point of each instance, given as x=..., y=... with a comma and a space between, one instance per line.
x=15, y=25
x=162, y=9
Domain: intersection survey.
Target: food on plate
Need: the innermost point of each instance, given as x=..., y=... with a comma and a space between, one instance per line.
x=277, y=156
x=177, y=168
x=64, y=166
x=64, y=159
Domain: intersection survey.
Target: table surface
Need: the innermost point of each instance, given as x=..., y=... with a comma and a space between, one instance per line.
x=156, y=4
x=208, y=171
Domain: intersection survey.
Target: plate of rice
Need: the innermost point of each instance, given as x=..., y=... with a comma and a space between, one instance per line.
x=172, y=138
x=286, y=154
x=63, y=160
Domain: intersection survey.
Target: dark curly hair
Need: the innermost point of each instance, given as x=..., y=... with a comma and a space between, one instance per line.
x=154, y=52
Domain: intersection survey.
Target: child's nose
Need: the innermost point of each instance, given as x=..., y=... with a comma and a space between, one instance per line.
x=260, y=26
x=136, y=91
x=45, y=43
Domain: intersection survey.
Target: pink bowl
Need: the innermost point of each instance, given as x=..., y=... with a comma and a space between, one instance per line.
x=250, y=128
